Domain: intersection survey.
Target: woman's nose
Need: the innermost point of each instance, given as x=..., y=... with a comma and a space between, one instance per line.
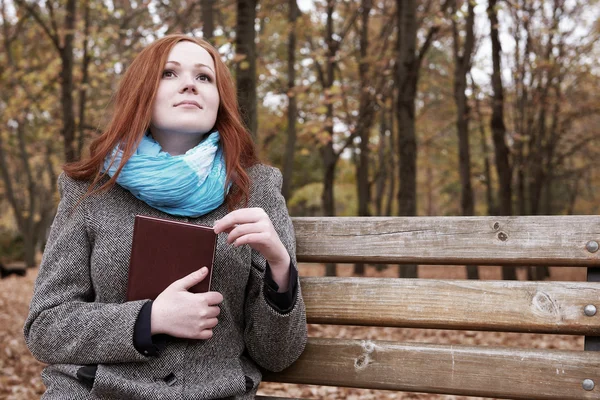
x=188, y=84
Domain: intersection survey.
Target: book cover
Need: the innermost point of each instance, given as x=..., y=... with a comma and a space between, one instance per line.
x=164, y=251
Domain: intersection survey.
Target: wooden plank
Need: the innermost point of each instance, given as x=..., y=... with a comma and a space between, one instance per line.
x=459, y=370
x=592, y=343
x=522, y=240
x=511, y=306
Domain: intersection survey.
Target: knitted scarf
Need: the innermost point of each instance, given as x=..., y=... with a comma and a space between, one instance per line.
x=190, y=185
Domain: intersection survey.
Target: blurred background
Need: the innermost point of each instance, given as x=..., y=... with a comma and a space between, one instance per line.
x=380, y=108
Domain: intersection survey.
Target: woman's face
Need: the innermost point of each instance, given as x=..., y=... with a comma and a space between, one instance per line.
x=187, y=100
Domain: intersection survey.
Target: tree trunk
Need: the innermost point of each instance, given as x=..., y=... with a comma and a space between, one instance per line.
x=573, y=193
x=489, y=195
x=327, y=198
x=327, y=151
x=84, y=80
x=29, y=249
x=501, y=150
x=246, y=64
x=288, y=161
x=522, y=101
x=365, y=116
x=550, y=150
x=462, y=60
x=364, y=123
x=208, y=22
x=408, y=64
x=537, y=174
x=405, y=112
x=382, y=156
x=392, y=162
x=66, y=75
x=406, y=79
x=328, y=201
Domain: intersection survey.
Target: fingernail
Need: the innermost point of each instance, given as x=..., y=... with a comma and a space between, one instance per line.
x=203, y=270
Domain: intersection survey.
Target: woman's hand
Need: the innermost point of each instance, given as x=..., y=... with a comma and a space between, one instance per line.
x=182, y=314
x=252, y=226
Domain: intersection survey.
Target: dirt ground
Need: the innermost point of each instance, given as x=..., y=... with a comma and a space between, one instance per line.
x=20, y=372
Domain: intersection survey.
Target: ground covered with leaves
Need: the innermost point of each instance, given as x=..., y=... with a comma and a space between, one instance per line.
x=20, y=372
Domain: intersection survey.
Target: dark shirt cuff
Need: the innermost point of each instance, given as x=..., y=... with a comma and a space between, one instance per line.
x=281, y=302
x=143, y=341
x=87, y=375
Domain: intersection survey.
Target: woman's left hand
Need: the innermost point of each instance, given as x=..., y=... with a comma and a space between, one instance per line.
x=252, y=226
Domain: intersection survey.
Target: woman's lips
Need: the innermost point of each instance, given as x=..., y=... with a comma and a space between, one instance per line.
x=188, y=103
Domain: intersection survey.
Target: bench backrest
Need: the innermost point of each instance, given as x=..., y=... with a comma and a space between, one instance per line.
x=503, y=306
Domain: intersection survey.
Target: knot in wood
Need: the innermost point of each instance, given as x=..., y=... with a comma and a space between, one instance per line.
x=361, y=362
x=502, y=236
x=544, y=305
x=496, y=226
x=364, y=359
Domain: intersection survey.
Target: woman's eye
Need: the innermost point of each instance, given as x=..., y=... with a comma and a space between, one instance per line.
x=203, y=78
x=168, y=74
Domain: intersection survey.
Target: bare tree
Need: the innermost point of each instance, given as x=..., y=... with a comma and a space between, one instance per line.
x=292, y=112
x=365, y=118
x=485, y=151
x=245, y=48
x=64, y=46
x=462, y=66
x=501, y=150
x=28, y=186
x=408, y=65
x=208, y=20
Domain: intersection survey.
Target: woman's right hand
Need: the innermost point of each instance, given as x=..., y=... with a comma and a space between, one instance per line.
x=182, y=314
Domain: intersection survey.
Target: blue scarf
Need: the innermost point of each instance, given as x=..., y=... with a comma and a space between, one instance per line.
x=190, y=185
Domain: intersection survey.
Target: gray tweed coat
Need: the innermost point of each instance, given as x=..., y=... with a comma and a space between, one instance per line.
x=78, y=314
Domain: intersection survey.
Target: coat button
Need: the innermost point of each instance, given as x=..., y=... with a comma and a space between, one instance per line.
x=170, y=379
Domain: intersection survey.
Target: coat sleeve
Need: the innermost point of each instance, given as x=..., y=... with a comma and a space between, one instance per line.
x=64, y=324
x=273, y=339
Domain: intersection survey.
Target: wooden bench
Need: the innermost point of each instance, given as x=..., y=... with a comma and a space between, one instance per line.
x=502, y=306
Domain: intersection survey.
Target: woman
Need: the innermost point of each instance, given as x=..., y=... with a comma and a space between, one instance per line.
x=175, y=148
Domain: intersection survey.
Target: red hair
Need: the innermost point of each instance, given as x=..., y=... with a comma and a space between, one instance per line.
x=133, y=112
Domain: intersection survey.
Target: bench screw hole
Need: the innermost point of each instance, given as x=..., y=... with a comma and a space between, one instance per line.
x=496, y=226
x=592, y=246
x=589, y=310
x=502, y=236
x=588, y=384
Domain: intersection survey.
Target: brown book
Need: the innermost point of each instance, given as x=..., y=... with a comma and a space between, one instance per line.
x=164, y=251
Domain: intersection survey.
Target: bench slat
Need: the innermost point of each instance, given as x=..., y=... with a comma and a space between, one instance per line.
x=530, y=240
x=515, y=306
x=460, y=370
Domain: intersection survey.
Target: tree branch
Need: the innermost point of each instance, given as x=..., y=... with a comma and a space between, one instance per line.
x=53, y=36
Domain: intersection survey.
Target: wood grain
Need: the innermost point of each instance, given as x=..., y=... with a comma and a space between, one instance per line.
x=522, y=240
x=511, y=306
x=460, y=370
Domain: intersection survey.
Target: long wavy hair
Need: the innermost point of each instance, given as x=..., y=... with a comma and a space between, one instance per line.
x=132, y=104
